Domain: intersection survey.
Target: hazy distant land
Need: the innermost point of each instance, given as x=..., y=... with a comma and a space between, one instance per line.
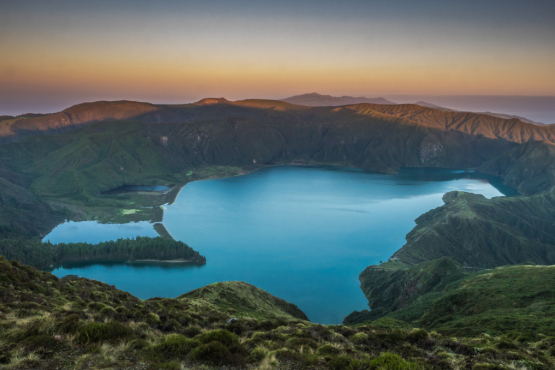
x=530, y=109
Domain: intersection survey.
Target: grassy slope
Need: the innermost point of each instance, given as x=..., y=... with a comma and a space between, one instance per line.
x=76, y=323
x=440, y=295
x=472, y=232
x=393, y=285
x=481, y=233
x=243, y=299
x=517, y=297
x=22, y=213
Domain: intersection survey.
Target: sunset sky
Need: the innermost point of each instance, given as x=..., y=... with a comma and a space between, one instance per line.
x=57, y=53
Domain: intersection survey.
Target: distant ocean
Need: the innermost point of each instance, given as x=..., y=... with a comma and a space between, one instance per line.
x=536, y=108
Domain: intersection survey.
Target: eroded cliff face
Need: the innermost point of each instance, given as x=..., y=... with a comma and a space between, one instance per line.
x=429, y=151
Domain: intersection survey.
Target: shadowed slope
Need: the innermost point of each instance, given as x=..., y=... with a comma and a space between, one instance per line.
x=211, y=109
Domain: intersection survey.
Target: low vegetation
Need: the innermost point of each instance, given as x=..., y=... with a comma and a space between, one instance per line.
x=55, y=323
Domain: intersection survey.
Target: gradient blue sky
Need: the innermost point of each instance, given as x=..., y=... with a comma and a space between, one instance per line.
x=58, y=53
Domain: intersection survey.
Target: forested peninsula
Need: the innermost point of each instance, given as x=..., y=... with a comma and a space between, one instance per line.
x=47, y=255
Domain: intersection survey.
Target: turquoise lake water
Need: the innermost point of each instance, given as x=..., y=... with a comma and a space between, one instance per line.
x=302, y=233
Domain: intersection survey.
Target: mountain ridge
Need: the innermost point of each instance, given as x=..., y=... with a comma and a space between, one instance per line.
x=318, y=100
x=485, y=125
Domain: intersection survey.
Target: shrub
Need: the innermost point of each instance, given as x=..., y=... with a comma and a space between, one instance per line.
x=123, y=313
x=395, y=336
x=70, y=324
x=96, y=306
x=95, y=332
x=192, y=331
x=107, y=312
x=138, y=344
x=344, y=330
x=300, y=360
x=391, y=361
x=359, y=338
x=505, y=344
x=170, y=325
x=327, y=350
x=258, y=354
x=221, y=336
x=267, y=325
x=417, y=335
x=236, y=327
x=340, y=363
x=217, y=354
x=174, y=345
x=153, y=319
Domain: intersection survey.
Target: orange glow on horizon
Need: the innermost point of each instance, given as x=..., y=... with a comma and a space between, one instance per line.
x=194, y=52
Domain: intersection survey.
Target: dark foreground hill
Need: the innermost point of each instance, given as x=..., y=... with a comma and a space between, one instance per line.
x=52, y=323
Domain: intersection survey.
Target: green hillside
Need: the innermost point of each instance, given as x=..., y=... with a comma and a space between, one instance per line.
x=483, y=233
x=52, y=323
x=440, y=295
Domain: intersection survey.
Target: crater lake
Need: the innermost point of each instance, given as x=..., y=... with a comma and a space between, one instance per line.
x=302, y=233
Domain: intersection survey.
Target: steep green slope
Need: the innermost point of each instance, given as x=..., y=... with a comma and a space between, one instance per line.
x=460, y=239
x=481, y=233
x=440, y=295
x=518, y=299
x=528, y=168
x=392, y=286
x=52, y=323
x=22, y=213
